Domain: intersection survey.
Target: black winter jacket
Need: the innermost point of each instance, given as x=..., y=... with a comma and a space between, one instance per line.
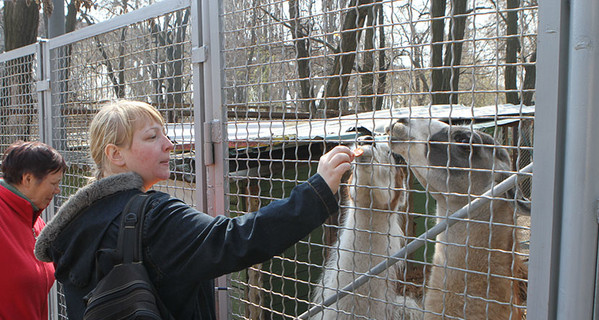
x=184, y=249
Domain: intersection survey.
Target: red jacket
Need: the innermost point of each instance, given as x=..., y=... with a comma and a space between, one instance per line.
x=24, y=280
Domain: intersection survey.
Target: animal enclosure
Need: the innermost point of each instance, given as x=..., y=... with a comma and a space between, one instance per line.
x=442, y=96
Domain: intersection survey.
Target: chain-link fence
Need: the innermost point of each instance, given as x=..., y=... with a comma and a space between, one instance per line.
x=299, y=75
x=19, y=111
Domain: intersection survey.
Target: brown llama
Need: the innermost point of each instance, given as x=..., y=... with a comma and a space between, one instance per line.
x=476, y=268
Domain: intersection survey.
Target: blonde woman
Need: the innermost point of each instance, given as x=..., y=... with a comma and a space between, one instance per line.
x=184, y=250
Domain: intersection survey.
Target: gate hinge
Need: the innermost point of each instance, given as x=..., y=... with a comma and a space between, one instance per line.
x=43, y=85
x=213, y=134
x=199, y=54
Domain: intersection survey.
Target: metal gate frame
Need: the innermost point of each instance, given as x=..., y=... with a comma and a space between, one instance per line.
x=563, y=258
x=565, y=210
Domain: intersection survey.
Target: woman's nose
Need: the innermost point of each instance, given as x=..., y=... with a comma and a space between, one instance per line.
x=169, y=144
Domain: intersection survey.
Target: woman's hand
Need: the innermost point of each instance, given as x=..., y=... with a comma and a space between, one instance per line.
x=334, y=164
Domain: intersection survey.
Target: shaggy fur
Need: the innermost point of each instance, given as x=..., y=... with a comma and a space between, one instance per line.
x=83, y=198
x=372, y=229
x=443, y=159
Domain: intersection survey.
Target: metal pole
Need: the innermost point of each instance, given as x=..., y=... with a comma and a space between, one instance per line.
x=56, y=24
x=56, y=27
x=547, y=182
x=578, y=251
x=210, y=124
x=45, y=130
x=198, y=60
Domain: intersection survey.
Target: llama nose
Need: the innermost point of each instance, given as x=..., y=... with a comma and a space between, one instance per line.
x=363, y=140
x=401, y=122
x=388, y=129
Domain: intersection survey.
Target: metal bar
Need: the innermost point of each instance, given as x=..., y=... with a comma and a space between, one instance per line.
x=56, y=21
x=198, y=102
x=212, y=102
x=19, y=52
x=139, y=15
x=44, y=123
x=579, y=230
x=45, y=108
x=415, y=244
x=547, y=182
x=42, y=89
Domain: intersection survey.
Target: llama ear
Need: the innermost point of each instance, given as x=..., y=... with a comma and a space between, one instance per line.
x=363, y=131
x=465, y=140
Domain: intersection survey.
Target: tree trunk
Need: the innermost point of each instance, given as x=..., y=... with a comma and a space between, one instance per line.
x=344, y=60
x=511, y=53
x=174, y=92
x=21, y=21
x=302, y=48
x=368, y=66
x=453, y=54
x=437, y=36
x=529, y=80
x=382, y=61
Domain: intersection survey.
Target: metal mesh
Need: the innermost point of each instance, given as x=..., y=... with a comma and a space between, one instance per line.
x=300, y=74
x=18, y=102
x=146, y=61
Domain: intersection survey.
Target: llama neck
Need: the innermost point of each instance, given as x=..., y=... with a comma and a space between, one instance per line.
x=373, y=233
x=478, y=233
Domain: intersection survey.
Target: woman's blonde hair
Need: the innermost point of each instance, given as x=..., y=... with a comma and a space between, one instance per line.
x=115, y=124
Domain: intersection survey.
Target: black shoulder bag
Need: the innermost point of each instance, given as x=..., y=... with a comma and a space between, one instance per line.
x=126, y=292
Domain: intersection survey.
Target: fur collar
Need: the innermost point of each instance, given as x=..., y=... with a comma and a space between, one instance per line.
x=83, y=198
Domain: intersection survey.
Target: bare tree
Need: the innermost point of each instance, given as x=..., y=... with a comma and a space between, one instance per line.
x=353, y=22
x=513, y=49
x=367, y=70
x=511, y=52
x=301, y=38
x=446, y=72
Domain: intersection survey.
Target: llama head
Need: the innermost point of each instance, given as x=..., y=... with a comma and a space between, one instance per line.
x=450, y=161
x=377, y=179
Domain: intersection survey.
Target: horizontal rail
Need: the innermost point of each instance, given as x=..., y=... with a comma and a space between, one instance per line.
x=19, y=52
x=125, y=20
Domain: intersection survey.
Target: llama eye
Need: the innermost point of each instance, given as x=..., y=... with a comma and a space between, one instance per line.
x=462, y=138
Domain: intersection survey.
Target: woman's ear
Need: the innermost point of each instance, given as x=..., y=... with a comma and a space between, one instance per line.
x=27, y=179
x=114, y=155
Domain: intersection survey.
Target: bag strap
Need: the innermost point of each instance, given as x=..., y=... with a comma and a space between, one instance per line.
x=129, y=243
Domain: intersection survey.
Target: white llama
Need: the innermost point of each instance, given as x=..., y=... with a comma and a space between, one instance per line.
x=475, y=268
x=372, y=229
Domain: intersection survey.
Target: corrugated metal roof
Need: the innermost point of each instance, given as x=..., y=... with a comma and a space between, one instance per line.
x=257, y=133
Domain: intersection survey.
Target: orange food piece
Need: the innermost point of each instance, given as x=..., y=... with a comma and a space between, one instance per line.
x=358, y=152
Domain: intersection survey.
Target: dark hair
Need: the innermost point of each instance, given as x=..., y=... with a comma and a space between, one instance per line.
x=30, y=157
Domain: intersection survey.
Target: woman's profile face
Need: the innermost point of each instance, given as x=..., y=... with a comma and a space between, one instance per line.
x=41, y=192
x=149, y=153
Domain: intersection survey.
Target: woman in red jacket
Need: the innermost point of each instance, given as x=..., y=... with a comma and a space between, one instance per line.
x=31, y=175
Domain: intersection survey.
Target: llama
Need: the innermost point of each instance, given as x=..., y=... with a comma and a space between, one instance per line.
x=371, y=230
x=474, y=264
